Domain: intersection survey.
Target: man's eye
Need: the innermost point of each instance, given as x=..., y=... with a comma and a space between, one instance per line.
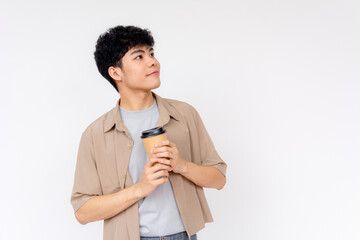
x=152, y=54
x=138, y=57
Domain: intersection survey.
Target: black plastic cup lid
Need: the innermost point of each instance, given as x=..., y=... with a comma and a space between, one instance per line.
x=152, y=132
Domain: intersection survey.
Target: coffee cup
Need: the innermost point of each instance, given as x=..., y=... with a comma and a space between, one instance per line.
x=151, y=137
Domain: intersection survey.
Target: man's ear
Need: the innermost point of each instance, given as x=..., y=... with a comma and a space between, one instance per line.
x=116, y=73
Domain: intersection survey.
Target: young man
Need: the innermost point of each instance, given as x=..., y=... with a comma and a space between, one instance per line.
x=115, y=181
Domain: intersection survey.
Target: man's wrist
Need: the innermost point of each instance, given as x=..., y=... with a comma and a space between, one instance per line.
x=185, y=166
x=137, y=191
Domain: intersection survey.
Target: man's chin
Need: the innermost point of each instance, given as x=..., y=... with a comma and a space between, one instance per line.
x=156, y=86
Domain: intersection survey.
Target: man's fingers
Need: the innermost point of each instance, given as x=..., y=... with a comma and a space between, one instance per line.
x=162, y=149
x=165, y=161
x=161, y=173
x=161, y=166
x=153, y=165
x=151, y=162
x=164, y=155
x=161, y=181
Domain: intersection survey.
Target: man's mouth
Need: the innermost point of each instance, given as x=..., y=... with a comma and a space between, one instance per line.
x=153, y=73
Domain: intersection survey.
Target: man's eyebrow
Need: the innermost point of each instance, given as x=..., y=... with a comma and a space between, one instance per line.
x=140, y=50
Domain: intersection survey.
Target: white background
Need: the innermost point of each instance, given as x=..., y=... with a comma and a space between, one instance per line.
x=275, y=82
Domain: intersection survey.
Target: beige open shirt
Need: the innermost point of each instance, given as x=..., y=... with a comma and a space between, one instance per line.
x=104, y=154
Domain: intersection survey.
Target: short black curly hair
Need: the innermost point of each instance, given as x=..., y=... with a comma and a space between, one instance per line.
x=112, y=45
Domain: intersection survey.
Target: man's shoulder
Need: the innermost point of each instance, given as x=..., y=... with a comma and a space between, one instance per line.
x=180, y=106
x=97, y=125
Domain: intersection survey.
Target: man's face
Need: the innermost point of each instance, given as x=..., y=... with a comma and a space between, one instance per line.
x=138, y=64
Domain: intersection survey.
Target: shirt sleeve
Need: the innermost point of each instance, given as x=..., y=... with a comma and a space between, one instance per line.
x=208, y=154
x=86, y=180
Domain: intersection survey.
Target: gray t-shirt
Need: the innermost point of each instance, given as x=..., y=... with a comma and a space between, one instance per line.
x=158, y=212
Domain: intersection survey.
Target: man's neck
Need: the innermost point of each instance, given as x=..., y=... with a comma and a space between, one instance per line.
x=136, y=101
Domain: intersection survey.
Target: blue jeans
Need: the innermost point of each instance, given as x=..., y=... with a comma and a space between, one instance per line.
x=176, y=236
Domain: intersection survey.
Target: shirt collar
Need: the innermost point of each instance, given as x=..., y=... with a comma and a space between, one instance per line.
x=165, y=109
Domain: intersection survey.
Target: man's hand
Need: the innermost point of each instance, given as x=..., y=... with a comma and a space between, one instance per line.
x=151, y=177
x=167, y=153
x=205, y=176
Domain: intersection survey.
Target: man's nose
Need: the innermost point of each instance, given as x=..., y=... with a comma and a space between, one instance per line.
x=152, y=62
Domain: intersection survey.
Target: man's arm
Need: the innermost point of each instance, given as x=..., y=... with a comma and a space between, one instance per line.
x=206, y=169
x=107, y=206
x=167, y=153
x=204, y=176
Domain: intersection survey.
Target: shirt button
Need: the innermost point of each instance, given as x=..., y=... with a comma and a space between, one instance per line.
x=129, y=146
